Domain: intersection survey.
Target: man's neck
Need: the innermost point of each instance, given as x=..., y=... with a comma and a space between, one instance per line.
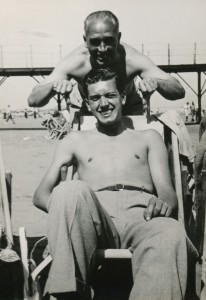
x=112, y=129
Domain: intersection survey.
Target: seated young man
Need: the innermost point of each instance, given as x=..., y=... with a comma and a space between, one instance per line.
x=112, y=205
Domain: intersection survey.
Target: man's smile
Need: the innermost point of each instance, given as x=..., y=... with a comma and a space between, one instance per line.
x=106, y=112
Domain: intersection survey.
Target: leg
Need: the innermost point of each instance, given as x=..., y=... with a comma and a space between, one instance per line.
x=77, y=226
x=159, y=261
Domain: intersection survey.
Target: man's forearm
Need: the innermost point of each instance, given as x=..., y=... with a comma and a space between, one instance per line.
x=170, y=88
x=41, y=94
x=45, y=188
x=169, y=196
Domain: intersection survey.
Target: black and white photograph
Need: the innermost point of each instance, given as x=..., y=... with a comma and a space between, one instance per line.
x=102, y=150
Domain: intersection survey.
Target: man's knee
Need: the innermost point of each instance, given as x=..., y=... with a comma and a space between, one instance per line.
x=171, y=232
x=69, y=192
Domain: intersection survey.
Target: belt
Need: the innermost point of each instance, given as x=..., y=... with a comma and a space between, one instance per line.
x=120, y=187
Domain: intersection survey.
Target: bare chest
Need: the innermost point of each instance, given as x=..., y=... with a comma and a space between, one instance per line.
x=112, y=153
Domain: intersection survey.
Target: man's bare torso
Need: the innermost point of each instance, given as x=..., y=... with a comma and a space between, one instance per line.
x=104, y=160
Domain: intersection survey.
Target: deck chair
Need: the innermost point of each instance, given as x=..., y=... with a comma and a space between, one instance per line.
x=57, y=130
x=9, y=259
x=200, y=225
x=135, y=122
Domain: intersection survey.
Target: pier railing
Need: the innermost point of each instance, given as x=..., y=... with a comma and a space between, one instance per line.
x=30, y=56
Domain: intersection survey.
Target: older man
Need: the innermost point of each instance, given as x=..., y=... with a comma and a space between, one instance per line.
x=113, y=205
x=102, y=48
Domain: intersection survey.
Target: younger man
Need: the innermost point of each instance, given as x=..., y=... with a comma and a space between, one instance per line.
x=112, y=205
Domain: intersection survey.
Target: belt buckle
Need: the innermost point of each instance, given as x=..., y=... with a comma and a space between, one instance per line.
x=119, y=187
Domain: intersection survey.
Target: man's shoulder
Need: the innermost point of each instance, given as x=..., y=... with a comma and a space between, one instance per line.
x=130, y=49
x=79, y=135
x=151, y=135
x=75, y=60
x=135, y=60
x=146, y=134
x=80, y=52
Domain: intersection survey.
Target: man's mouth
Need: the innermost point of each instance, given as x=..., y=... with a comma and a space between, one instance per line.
x=103, y=58
x=106, y=113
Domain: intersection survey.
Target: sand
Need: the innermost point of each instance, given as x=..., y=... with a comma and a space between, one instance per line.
x=27, y=153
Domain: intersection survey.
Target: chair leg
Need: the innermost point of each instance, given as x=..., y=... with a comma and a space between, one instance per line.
x=31, y=288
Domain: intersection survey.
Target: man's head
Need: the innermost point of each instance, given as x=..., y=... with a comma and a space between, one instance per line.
x=105, y=95
x=102, y=36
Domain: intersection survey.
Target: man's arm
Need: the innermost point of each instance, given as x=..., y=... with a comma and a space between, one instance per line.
x=166, y=203
x=58, y=80
x=153, y=78
x=63, y=156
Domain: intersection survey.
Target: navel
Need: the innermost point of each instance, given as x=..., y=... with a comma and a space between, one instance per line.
x=90, y=159
x=136, y=156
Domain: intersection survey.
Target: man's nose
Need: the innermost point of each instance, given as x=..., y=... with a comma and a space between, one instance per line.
x=103, y=101
x=102, y=47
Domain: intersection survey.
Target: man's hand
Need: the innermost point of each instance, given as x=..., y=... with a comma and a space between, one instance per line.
x=63, y=86
x=148, y=86
x=157, y=208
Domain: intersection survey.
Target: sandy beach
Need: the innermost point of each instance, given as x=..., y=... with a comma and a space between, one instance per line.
x=27, y=152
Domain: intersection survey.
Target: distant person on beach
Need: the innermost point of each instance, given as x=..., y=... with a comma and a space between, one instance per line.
x=9, y=115
x=102, y=48
x=113, y=204
x=186, y=111
x=25, y=113
x=35, y=112
x=4, y=114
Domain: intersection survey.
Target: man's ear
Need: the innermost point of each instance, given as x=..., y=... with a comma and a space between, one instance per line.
x=85, y=41
x=87, y=104
x=119, y=36
x=123, y=96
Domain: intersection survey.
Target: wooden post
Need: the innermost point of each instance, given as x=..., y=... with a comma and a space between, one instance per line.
x=60, y=51
x=31, y=56
x=195, y=53
x=9, y=188
x=177, y=179
x=1, y=49
x=5, y=202
x=199, y=95
x=59, y=101
x=203, y=292
x=168, y=50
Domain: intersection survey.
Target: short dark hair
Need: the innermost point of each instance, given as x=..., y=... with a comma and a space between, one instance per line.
x=102, y=15
x=96, y=75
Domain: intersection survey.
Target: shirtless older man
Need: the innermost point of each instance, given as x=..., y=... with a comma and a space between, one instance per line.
x=112, y=205
x=102, y=48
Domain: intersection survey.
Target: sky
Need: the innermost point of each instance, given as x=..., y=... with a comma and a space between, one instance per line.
x=31, y=33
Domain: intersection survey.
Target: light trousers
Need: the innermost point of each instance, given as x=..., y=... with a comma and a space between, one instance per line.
x=82, y=221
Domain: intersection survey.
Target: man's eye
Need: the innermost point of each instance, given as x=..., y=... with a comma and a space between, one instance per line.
x=94, y=42
x=109, y=41
x=111, y=96
x=94, y=99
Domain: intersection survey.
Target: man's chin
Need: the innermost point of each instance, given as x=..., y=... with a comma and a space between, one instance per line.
x=102, y=63
x=105, y=120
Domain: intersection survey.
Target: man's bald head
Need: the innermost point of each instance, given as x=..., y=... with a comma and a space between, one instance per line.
x=102, y=15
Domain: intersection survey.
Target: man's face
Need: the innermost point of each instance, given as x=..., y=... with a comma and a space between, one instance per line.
x=105, y=101
x=102, y=40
